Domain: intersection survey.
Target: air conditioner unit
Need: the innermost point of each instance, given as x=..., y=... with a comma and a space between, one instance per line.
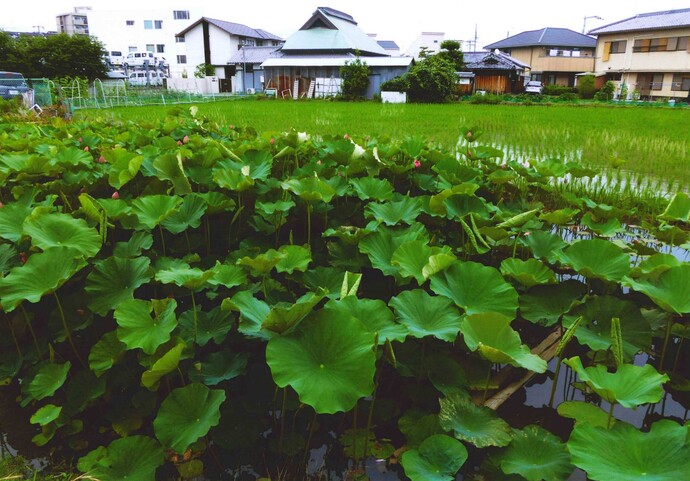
x=251, y=91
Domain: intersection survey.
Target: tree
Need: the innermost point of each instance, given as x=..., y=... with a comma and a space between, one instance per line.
x=451, y=50
x=355, y=77
x=204, y=70
x=586, y=87
x=432, y=80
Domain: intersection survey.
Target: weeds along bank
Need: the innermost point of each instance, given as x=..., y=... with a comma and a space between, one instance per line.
x=182, y=296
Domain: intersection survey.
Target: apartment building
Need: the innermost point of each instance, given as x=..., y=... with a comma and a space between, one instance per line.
x=648, y=54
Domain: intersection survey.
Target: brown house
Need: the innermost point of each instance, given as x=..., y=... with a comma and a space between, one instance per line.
x=494, y=72
x=555, y=55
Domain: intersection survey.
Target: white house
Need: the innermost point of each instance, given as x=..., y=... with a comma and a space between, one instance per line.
x=215, y=42
x=430, y=42
x=127, y=31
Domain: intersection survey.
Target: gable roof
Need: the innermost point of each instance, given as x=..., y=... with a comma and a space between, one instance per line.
x=250, y=54
x=547, y=37
x=388, y=44
x=232, y=28
x=332, y=31
x=667, y=19
x=492, y=61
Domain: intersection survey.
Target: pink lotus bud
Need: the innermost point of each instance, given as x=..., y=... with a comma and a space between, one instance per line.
x=272, y=141
x=504, y=166
x=417, y=164
x=179, y=142
x=185, y=139
x=22, y=257
x=101, y=160
x=116, y=195
x=318, y=162
x=232, y=126
x=2, y=205
x=86, y=149
x=346, y=137
x=81, y=140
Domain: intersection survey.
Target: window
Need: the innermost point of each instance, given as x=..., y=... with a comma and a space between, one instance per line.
x=181, y=14
x=179, y=39
x=160, y=48
x=148, y=24
x=130, y=23
x=158, y=24
x=181, y=59
x=249, y=67
x=683, y=44
x=619, y=46
x=150, y=47
x=654, y=45
x=681, y=82
x=657, y=81
x=132, y=49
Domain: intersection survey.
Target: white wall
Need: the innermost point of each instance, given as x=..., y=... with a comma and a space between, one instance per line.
x=207, y=85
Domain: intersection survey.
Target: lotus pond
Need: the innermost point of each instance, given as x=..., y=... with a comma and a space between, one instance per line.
x=186, y=298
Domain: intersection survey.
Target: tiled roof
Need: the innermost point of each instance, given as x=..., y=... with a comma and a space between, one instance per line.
x=547, y=37
x=648, y=21
x=234, y=29
x=250, y=54
x=492, y=61
x=388, y=44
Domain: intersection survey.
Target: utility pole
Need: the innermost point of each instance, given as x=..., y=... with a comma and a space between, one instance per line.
x=584, y=23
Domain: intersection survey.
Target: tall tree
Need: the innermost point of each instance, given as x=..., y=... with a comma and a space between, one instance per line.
x=451, y=50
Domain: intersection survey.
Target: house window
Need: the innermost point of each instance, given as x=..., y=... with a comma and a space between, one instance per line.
x=657, y=81
x=249, y=67
x=181, y=14
x=130, y=23
x=148, y=24
x=181, y=59
x=179, y=39
x=150, y=47
x=652, y=45
x=160, y=48
x=158, y=24
x=683, y=43
x=681, y=82
x=619, y=46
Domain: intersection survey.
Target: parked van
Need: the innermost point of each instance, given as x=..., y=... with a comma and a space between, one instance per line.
x=143, y=78
x=115, y=58
x=139, y=59
x=12, y=84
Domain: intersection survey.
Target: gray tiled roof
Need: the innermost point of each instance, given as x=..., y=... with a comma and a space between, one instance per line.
x=492, y=61
x=234, y=29
x=547, y=37
x=648, y=21
x=254, y=54
x=388, y=44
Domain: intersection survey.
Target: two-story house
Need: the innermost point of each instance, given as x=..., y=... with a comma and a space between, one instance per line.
x=648, y=53
x=555, y=55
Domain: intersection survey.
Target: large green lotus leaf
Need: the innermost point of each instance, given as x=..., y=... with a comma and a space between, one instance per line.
x=134, y=458
x=413, y=257
x=47, y=379
x=263, y=263
x=476, y=288
x=536, y=455
x=187, y=216
x=259, y=163
x=329, y=279
x=595, y=328
x=231, y=178
x=438, y=263
x=678, y=209
x=72, y=156
x=217, y=202
x=559, y=217
x=270, y=209
x=382, y=244
x=373, y=313
x=137, y=329
x=214, y=324
x=584, y=412
x=219, y=366
x=655, y=265
x=529, y=273
x=12, y=217
x=124, y=166
x=139, y=242
x=418, y=425
x=311, y=189
x=42, y=274
x=55, y=229
x=295, y=258
x=490, y=334
x=285, y=318
x=438, y=458
x=405, y=211
x=597, y=258
x=330, y=361
x=105, y=353
x=184, y=276
x=46, y=414
x=460, y=205
x=372, y=188
x=624, y=453
x=604, y=229
x=167, y=363
x=478, y=425
x=114, y=281
x=544, y=245
x=426, y=315
x=169, y=167
x=186, y=415
x=228, y=276
x=546, y=304
x=152, y=210
x=669, y=291
x=253, y=313
x=630, y=386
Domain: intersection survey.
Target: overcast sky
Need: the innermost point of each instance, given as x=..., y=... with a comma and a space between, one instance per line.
x=401, y=21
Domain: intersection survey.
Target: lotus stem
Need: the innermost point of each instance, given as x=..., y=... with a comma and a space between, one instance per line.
x=31, y=330
x=517, y=238
x=663, y=350
x=196, y=316
x=370, y=416
x=610, y=420
x=486, y=384
x=312, y=424
x=354, y=435
x=189, y=244
x=67, y=331
x=309, y=224
x=680, y=348
x=14, y=337
x=282, y=422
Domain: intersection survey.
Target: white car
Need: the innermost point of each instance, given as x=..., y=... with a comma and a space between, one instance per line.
x=533, y=87
x=140, y=59
x=151, y=78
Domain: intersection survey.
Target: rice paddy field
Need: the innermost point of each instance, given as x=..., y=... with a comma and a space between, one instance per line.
x=646, y=148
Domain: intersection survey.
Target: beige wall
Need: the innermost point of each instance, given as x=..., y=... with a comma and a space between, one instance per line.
x=540, y=60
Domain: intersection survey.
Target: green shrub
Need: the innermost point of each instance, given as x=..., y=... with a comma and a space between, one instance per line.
x=568, y=96
x=606, y=92
x=400, y=83
x=432, y=80
x=355, y=76
x=486, y=99
x=204, y=70
x=557, y=90
x=586, y=87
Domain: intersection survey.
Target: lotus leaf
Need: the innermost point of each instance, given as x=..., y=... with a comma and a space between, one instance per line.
x=381, y=245
x=139, y=242
x=134, y=458
x=185, y=276
x=47, y=379
x=350, y=285
x=214, y=324
x=546, y=304
x=219, y=366
x=476, y=288
x=477, y=425
x=310, y=189
x=46, y=414
x=414, y=259
x=584, y=412
x=678, y=209
x=295, y=258
x=437, y=263
x=417, y=426
x=437, y=206
x=372, y=188
x=329, y=360
x=605, y=229
x=105, y=353
x=186, y=415
x=518, y=220
x=253, y=313
x=187, y=216
x=630, y=386
x=426, y=315
x=405, y=210
x=53, y=229
x=536, y=455
x=42, y=274
x=167, y=363
x=529, y=273
x=373, y=313
x=669, y=290
x=284, y=318
x=272, y=208
x=597, y=258
x=623, y=453
x=329, y=279
x=355, y=441
x=438, y=458
x=559, y=217
x=114, y=281
x=544, y=245
x=461, y=205
x=124, y=166
x=138, y=330
x=170, y=167
x=655, y=265
x=152, y=210
x=262, y=264
x=228, y=276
